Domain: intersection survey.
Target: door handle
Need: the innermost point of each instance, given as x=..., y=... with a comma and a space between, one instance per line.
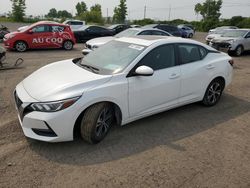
x=174, y=75
x=210, y=67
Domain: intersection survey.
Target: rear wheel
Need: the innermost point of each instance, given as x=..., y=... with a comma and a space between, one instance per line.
x=190, y=35
x=213, y=92
x=20, y=46
x=96, y=122
x=68, y=45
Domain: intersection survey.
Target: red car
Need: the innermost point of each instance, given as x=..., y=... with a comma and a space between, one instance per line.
x=42, y=34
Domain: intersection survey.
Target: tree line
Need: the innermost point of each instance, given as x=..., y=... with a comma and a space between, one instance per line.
x=209, y=10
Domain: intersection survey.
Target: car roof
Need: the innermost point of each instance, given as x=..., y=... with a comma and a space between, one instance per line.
x=48, y=23
x=148, y=40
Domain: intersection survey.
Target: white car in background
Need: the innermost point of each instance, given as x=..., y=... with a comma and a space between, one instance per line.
x=211, y=31
x=234, y=42
x=97, y=42
x=120, y=82
x=216, y=34
x=74, y=24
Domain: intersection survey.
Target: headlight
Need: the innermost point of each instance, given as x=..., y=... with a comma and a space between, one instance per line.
x=231, y=41
x=11, y=36
x=94, y=46
x=53, y=106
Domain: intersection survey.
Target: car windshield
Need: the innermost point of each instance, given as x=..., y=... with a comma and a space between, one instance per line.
x=234, y=33
x=112, y=57
x=127, y=33
x=221, y=31
x=112, y=26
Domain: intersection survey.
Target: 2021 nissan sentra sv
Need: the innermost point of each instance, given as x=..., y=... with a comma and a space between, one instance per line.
x=122, y=81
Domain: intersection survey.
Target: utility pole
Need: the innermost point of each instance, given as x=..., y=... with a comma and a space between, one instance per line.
x=145, y=11
x=169, y=15
x=107, y=13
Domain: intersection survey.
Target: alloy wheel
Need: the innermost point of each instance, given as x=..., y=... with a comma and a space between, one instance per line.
x=214, y=93
x=104, y=122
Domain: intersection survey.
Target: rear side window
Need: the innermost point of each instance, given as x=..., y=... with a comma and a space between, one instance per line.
x=159, y=33
x=160, y=58
x=189, y=53
x=75, y=23
x=56, y=28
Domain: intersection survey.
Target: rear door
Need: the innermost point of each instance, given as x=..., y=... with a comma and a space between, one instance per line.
x=195, y=71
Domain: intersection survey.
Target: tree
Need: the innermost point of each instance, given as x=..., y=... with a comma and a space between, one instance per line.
x=18, y=10
x=120, y=12
x=64, y=14
x=210, y=9
x=94, y=15
x=81, y=7
x=52, y=13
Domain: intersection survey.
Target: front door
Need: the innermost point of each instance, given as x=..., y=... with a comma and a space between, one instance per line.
x=159, y=91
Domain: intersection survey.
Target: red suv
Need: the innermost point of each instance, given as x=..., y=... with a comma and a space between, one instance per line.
x=42, y=34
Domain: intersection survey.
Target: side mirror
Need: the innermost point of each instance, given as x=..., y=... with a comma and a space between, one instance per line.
x=30, y=31
x=144, y=71
x=86, y=51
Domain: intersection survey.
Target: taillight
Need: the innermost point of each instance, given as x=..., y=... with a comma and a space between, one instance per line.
x=231, y=62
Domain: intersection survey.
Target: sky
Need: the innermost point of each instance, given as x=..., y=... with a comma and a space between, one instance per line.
x=155, y=9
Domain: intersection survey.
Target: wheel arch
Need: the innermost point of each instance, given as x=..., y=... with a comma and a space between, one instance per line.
x=118, y=116
x=21, y=41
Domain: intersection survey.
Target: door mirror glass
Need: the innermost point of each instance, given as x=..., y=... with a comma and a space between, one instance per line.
x=144, y=71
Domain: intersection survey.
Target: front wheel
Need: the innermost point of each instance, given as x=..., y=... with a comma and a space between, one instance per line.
x=238, y=51
x=213, y=92
x=20, y=46
x=68, y=45
x=96, y=122
x=190, y=35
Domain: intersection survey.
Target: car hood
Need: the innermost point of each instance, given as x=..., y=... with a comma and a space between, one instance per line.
x=11, y=33
x=213, y=35
x=99, y=41
x=61, y=80
x=224, y=39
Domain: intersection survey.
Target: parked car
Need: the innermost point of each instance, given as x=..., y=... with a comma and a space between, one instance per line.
x=188, y=25
x=211, y=31
x=88, y=32
x=3, y=31
x=74, y=24
x=173, y=30
x=216, y=34
x=119, y=27
x=120, y=82
x=234, y=42
x=97, y=42
x=188, y=32
x=41, y=35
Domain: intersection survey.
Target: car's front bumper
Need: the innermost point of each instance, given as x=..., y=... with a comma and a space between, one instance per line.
x=44, y=126
x=221, y=46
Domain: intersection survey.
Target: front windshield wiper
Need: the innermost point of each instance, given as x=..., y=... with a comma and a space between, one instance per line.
x=93, y=69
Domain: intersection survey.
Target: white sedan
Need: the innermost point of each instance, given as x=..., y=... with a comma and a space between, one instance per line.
x=125, y=80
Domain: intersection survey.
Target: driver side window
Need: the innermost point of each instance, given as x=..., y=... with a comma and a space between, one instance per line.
x=160, y=58
x=41, y=29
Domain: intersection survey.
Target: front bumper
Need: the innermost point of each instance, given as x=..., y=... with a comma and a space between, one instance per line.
x=221, y=46
x=8, y=43
x=43, y=126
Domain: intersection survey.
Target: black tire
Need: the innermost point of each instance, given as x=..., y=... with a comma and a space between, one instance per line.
x=239, y=50
x=68, y=45
x=213, y=92
x=21, y=46
x=190, y=35
x=94, y=125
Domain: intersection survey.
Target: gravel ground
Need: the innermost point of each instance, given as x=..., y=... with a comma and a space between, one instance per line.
x=191, y=146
